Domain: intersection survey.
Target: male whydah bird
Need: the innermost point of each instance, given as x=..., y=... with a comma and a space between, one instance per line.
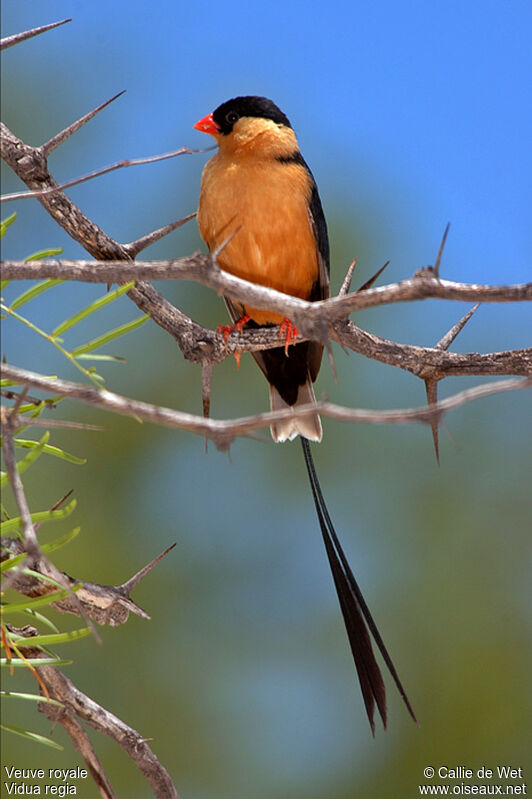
x=259, y=199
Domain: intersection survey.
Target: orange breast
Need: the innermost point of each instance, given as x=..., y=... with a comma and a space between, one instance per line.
x=266, y=203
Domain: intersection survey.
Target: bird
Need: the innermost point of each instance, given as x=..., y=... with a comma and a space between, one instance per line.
x=260, y=212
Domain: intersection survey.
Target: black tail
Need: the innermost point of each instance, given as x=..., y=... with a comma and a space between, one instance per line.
x=357, y=616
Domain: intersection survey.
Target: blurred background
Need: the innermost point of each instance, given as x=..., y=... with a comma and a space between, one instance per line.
x=410, y=115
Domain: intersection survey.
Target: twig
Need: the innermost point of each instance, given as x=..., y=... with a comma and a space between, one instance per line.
x=30, y=543
x=369, y=283
x=346, y=283
x=25, y=195
x=130, y=584
x=134, y=247
x=77, y=705
x=58, y=423
x=445, y=342
x=59, y=138
x=222, y=432
x=431, y=383
x=16, y=38
x=440, y=251
x=200, y=345
x=105, y=722
x=201, y=268
x=9, y=427
x=104, y=604
x=82, y=743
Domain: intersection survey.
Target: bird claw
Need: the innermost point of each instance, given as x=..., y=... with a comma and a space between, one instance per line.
x=226, y=330
x=289, y=332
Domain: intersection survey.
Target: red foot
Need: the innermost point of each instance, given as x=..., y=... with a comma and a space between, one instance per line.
x=289, y=332
x=226, y=330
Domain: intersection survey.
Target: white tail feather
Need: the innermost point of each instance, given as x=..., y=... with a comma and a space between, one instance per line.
x=306, y=426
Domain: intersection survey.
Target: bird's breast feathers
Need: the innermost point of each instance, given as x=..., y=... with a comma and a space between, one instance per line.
x=265, y=204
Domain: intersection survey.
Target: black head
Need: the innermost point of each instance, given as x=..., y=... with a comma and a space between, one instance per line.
x=231, y=111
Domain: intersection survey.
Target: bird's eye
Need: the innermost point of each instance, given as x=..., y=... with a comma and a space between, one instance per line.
x=231, y=117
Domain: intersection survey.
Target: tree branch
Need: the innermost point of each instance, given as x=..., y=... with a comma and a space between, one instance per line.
x=203, y=269
x=105, y=722
x=77, y=705
x=10, y=425
x=105, y=604
x=125, y=162
x=201, y=344
x=16, y=38
x=222, y=432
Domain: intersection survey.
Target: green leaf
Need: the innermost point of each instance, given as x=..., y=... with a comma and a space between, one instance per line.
x=44, y=578
x=29, y=697
x=5, y=223
x=32, y=736
x=41, y=254
x=33, y=292
x=30, y=458
x=90, y=357
x=10, y=563
x=5, y=382
x=93, y=377
x=30, y=604
x=37, y=408
x=60, y=542
x=110, y=335
x=45, y=549
x=18, y=663
x=94, y=306
x=50, y=639
x=49, y=449
x=40, y=618
x=38, y=518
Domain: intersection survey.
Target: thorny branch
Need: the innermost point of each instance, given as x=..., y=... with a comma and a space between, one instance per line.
x=105, y=604
x=201, y=344
x=222, y=432
x=125, y=162
x=10, y=425
x=314, y=320
x=76, y=707
x=203, y=269
x=9, y=41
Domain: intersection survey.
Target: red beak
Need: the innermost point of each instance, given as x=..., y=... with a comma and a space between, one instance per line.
x=207, y=125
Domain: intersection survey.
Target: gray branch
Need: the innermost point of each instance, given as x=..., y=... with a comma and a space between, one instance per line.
x=203, y=269
x=104, y=604
x=203, y=345
x=223, y=432
x=76, y=707
x=314, y=320
x=16, y=38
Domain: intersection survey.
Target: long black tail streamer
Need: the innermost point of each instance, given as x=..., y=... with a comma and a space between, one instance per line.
x=357, y=617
